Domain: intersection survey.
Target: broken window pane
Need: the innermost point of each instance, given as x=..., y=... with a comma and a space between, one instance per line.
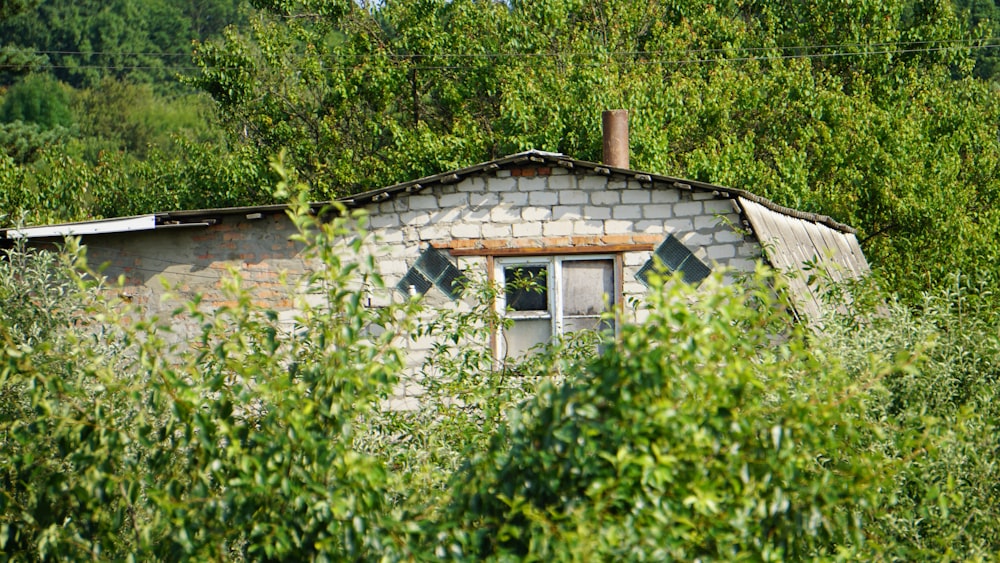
x=526, y=287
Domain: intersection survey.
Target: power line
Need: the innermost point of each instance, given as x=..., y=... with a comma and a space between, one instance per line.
x=567, y=57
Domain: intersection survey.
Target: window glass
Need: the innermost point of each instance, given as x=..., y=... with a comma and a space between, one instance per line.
x=587, y=286
x=526, y=287
x=526, y=333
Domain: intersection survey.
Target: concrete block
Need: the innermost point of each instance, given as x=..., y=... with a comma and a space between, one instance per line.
x=649, y=227
x=721, y=251
x=415, y=218
x=593, y=183
x=471, y=185
x=560, y=212
x=665, y=195
x=496, y=230
x=658, y=211
x=617, y=185
x=453, y=200
x=618, y=227
x=505, y=214
x=479, y=200
x=518, y=199
x=559, y=171
x=688, y=208
x=573, y=197
x=678, y=225
x=536, y=213
x=562, y=183
x=588, y=227
x=532, y=229
x=543, y=198
x=538, y=183
x=506, y=184
x=423, y=202
x=557, y=228
x=466, y=230
x=718, y=206
x=383, y=220
x=727, y=235
x=702, y=196
x=626, y=212
x=635, y=196
x=596, y=212
x=605, y=198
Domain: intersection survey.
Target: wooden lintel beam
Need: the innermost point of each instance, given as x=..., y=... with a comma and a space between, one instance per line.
x=550, y=250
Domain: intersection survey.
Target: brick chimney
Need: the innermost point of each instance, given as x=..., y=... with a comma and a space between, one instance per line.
x=614, y=123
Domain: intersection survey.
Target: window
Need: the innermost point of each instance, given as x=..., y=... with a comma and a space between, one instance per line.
x=554, y=295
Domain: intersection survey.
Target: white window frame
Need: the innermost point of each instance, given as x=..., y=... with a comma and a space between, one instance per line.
x=554, y=289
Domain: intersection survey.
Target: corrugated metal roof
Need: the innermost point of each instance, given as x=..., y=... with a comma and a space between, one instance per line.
x=795, y=246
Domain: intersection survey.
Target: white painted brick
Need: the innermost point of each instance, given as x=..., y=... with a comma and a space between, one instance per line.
x=635, y=196
x=605, y=198
x=665, y=195
x=477, y=215
x=728, y=236
x=505, y=214
x=453, y=200
x=742, y=264
x=591, y=182
x=532, y=184
x=543, y=198
x=588, y=227
x=573, y=197
x=423, y=202
x=532, y=229
x=617, y=185
x=720, y=251
x=562, y=183
x=392, y=267
x=382, y=220
x=507, y=184
x=658, y=211
x=635, y=259
x=447, y=215
x=536, y=213
x=627, y=212
x=688, y=208
x=519, y=199
x=475, y=184
x=491, y=230
x=415, y=218
x=702, y=196
x=433, y=232
x=390, y=235
x=466, y=230
x=692, y=238
x=718, y=206
x=618, y=227
x=560, y=212
x=557, y=228
x=678, y=225
x=649, y=227
x=703, y=222
x=595, y=212
x=477, y=201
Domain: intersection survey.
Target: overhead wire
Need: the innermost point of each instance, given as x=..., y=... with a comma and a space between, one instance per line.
x=657, y=57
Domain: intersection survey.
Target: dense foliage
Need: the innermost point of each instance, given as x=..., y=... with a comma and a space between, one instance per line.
x=717, y=430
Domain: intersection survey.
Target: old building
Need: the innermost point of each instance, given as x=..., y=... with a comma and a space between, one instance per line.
x=588, y=233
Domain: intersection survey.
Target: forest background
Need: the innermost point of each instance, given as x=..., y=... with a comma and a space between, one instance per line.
x=719, y=430
x=883, y=115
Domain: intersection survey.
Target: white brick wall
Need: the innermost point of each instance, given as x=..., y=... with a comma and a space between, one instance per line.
x=567, y=203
